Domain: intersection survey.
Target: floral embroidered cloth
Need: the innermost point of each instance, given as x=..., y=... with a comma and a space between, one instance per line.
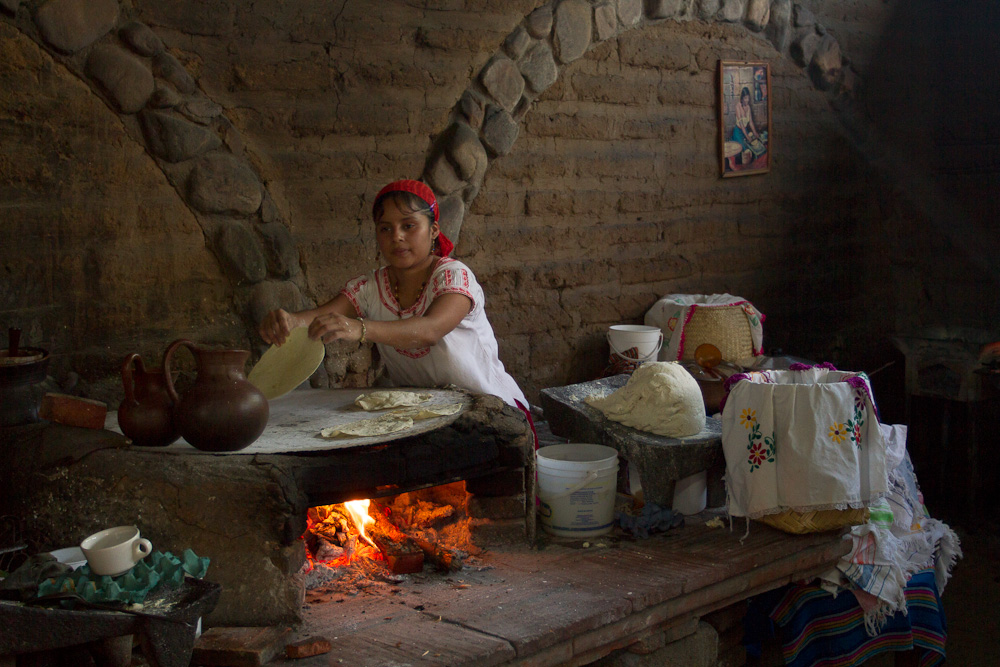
x=801, y=440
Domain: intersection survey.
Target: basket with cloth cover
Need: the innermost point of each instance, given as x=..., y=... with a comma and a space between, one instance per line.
x=731, y=323
x=803, y=448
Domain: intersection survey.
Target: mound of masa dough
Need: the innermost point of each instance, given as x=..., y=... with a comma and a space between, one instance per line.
x=660, y=397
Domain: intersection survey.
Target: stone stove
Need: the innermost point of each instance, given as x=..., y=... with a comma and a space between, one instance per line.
x=247, y=510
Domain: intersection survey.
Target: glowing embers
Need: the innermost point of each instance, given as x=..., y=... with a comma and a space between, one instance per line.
x=388, y=537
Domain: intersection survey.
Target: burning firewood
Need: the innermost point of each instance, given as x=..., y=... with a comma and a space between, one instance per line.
x=402, y=555
x=443, y=559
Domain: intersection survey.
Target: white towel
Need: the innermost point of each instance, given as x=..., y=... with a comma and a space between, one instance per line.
x=802, y=440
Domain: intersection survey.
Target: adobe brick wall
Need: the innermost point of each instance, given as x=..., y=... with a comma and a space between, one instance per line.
x=608, y=197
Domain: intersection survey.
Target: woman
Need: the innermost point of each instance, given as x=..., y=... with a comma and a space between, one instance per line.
x=423, y=310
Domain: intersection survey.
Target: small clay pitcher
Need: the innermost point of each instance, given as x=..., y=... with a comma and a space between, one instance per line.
x=146, y=415
x=222, y=411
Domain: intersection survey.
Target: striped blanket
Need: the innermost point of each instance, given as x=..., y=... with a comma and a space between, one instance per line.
x=819, y=630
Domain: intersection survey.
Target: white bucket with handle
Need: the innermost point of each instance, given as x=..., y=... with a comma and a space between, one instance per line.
x=576, y=489
x=635, y=342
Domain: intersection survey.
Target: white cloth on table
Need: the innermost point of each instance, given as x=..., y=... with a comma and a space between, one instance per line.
x=467, y=356
x=802, y=440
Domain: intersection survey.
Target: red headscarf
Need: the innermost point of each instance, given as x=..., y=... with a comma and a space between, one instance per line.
x=423, y=191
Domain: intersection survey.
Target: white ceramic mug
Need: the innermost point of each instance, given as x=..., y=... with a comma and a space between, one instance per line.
x=114, y=551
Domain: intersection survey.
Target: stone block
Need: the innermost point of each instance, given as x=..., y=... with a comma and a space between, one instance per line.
x=279, y=249
x=466, y=153
x=126, y=80
x=175, y=139
x=629, y=12
x=224, y=184
x=605, y=21
x=452, y=213
x=707, y=10
x=539, y=22
x=779, y=24
x=804, y=47
x=441, y=175
x=472, y=107
x=168, y=68
x=140, y=38
x=502, y=80
x=573, y=29
x=538, y=67
x=270, y=295
x=500, y=131
x=241, y=253
x=732, y=11
x=517, y=42
x=666, y=9
x=200, y=110
x=70, y=25
x=758, y=14
x=163, y=97
x=826, y=64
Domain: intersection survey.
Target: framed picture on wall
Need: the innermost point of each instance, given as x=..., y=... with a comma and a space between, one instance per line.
x=745, y=136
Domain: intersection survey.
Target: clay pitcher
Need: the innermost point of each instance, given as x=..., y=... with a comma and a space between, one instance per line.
x=222, y=411
x=146, y=415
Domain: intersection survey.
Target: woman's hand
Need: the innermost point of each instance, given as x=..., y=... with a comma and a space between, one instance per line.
x=277, y=325
x=335, y=326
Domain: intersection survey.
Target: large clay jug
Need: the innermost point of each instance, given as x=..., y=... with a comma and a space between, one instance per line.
x=146, y=415
x=221, y=411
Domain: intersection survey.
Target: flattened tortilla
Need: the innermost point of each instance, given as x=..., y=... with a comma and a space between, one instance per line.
x=428, y=411
x=381, y=425
x=389, y=398
x=282, y=369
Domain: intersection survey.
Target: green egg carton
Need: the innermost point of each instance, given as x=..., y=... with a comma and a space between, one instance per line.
x=132, y=587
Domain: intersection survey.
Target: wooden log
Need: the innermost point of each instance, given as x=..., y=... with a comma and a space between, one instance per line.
x=444, y=560
x=401, y=554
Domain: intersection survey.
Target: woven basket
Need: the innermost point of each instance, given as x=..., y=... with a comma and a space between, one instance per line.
x=818, y=521
x=725, y=327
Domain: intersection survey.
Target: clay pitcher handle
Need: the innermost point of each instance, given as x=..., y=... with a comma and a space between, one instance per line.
x=127, y=377
x=166, y=366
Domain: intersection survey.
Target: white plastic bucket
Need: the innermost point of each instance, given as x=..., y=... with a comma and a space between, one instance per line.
x=576, y=489
x=646, y=340
x=691, y=493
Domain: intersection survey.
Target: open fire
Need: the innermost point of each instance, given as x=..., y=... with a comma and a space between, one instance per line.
x=390, y=536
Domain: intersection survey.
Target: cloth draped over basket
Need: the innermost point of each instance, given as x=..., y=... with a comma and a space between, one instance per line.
x=800, y=442
x=731, y=323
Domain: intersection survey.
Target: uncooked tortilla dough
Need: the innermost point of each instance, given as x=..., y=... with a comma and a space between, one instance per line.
x=660, y=397
x=381, y=425
x=383, y=399
x=428, y=411
x=283, y=368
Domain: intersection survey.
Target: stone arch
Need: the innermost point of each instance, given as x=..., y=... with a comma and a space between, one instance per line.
x=203, y=156
x=486, y=120
x=185, y=132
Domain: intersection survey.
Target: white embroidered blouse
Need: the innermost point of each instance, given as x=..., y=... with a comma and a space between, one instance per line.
x=466, y=356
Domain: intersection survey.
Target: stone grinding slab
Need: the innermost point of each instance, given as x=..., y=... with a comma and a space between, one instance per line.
x=661, y=461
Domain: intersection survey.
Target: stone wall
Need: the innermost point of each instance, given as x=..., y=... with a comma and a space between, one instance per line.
x=574, y=145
